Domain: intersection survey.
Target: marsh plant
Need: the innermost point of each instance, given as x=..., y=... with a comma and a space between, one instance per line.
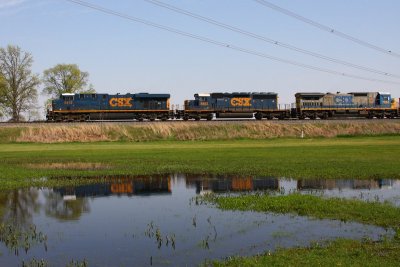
x=153, y=232
x=77, y=263
x=35, y=263
x=16, y=237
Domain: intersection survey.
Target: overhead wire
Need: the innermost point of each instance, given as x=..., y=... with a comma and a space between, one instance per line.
x=326, y=28
x=222, y=44
x=266, y=39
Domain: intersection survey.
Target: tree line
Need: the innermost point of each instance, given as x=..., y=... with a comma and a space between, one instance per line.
x=19, y=86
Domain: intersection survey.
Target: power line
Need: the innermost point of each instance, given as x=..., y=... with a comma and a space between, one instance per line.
x=326, y=28
x=221, y=44
x=266, y=39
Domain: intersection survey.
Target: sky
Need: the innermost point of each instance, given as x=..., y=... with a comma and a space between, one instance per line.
x=124, y=56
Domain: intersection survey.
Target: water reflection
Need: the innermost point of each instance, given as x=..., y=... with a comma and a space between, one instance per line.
x=345, y=184
x=150, y=219
x=234, y=184
x=18, y=206
x=17, y=230
x=374, y=189
x=119, y=185
x=58, y=207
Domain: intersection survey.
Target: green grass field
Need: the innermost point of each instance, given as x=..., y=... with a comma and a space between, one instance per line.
x=23, y=164
x=338, y=253
x=375, y=213
x=356, y=157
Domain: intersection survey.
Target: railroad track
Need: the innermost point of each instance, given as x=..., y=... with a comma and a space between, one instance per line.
x=288, y=121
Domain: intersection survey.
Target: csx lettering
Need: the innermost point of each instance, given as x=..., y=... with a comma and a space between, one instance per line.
x=241, y=101
x=120, y=102
x=121, y=188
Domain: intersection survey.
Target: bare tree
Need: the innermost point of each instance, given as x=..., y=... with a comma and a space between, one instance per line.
x=18, y=91
x=65, y=78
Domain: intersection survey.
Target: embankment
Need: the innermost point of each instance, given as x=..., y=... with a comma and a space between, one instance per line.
x=186, y=131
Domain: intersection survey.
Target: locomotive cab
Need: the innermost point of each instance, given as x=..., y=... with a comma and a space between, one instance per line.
x=201, y=101
x=383, y=100
x=64, y=102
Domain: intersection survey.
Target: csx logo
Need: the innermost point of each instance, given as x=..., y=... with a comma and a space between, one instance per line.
x=121, y=188
x=120, y=102
x=241, y=101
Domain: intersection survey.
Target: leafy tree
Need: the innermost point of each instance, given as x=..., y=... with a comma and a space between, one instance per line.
x=18, y=85
x=2, y=87
x=65, y=78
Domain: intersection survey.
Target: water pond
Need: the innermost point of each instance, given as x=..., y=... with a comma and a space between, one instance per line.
x=154, y=221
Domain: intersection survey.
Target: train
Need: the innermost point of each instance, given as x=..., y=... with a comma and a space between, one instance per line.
x=207, y=106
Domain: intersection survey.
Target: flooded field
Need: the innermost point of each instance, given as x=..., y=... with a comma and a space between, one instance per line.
x=155, y=220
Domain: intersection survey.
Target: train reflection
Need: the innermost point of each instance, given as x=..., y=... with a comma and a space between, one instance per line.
x=235, y=184
x=119, y=185
x=330, y=184
x=150, y=185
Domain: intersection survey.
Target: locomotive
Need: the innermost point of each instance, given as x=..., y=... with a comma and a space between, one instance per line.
x=367, y=104
x=84, y=107
x=234, y=105
x=258, y=105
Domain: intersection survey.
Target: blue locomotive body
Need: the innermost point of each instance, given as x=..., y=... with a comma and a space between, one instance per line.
x=82, y=107
x=233, y=105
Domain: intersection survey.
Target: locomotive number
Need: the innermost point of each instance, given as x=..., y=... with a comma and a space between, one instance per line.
x=120, y=102
x=241, y=101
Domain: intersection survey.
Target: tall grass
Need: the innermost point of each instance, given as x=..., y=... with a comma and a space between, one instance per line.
x=195, y=131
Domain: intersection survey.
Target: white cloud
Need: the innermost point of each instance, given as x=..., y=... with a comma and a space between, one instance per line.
x=10, y=3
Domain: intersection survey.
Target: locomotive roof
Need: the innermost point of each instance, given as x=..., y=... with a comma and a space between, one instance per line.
x=140, y=95
x=202, y=94
x=310, y=94
x=147, y=95
x=246, y=93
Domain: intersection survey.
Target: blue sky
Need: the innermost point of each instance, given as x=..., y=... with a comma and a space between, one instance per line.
x=124, y=56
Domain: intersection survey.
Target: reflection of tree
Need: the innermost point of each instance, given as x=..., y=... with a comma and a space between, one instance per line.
x=57, y=207
x=18, y=206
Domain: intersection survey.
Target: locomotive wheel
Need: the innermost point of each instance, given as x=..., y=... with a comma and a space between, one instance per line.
x=259, y=116
x=209, y=117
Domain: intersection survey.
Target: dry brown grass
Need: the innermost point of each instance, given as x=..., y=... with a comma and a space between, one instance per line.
x=70, y=166
x=202, y=131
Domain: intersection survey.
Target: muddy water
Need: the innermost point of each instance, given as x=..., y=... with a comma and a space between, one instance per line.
x=143, y=221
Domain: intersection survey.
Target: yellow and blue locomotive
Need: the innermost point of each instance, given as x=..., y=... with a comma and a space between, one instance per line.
x=84, y=107
x=359, y=104
x=235, y=105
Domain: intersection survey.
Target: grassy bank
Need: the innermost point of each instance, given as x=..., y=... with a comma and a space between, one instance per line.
x=337, y=253
x=55, y=133
x=375, y=213
x=358, y=157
